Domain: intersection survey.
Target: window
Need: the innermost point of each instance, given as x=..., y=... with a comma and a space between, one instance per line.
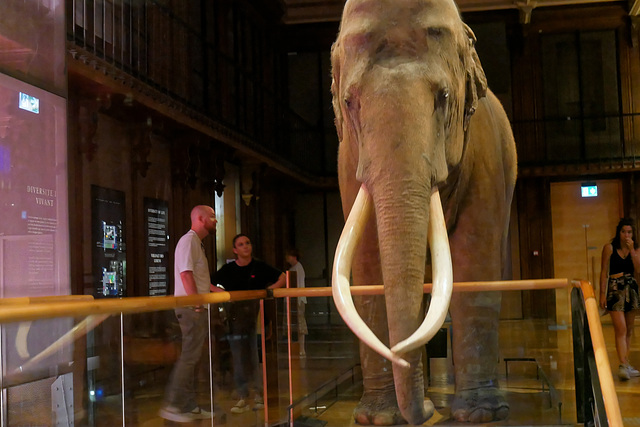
x=581, y=96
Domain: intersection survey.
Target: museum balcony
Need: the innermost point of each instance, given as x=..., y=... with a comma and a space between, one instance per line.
x=576, y=145
x=215, y=68
x=73, y=360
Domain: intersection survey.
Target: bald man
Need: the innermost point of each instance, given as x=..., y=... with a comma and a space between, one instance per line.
x=191, y=275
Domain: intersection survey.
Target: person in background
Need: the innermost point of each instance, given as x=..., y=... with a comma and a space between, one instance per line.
x=619, y=290
x=293, y=259
x=191, y=277
x=246, y=274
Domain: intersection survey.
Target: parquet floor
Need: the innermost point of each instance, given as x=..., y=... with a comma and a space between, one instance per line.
x=529, y=398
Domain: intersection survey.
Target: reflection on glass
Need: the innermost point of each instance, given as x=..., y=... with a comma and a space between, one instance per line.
x=32, y=34
x=327, y=371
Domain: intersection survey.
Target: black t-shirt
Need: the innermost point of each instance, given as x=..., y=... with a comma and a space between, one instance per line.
x=257, y=275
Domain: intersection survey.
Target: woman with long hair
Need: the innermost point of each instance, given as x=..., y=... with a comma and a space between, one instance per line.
x=619, y=290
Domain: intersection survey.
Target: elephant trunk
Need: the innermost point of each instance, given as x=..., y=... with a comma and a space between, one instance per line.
x=401, y=219
x=403, y=238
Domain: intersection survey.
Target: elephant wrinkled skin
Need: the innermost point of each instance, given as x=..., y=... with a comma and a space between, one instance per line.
x=414, y=115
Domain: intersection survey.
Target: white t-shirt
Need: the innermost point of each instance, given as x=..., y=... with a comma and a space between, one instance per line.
x=300, y=278
x=190, y=256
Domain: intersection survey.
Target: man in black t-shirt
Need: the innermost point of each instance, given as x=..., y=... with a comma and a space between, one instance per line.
x=245, y=274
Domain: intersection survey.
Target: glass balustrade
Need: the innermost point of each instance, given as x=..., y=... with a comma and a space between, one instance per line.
x=115, y=368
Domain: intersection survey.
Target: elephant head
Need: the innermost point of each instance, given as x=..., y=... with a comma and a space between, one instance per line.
x=406, y=80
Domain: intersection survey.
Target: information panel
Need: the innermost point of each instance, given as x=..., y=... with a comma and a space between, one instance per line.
x=34, y=221
x=109, y=251
x=156, y=215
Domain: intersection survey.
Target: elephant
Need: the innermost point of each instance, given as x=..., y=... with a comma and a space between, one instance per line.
x=426, y=150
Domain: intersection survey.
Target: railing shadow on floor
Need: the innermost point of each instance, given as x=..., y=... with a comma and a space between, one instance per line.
x=330, y=387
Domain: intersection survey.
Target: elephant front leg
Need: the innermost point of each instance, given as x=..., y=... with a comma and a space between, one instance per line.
x=378, y=405
x=475, y=355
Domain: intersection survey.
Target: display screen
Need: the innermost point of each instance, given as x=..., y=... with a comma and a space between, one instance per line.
x=109, y=252
x=110, y=234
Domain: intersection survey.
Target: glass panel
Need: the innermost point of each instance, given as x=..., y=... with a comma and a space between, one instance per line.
x=53, y=374
x=324, y=361
x=537, y=358
x=242, y=351
x=534, y=368
x=154, y=343
x=102, y=387
x=80, y=378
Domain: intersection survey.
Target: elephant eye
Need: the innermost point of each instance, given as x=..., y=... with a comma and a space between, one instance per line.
x=436, y=32
x=442, y=98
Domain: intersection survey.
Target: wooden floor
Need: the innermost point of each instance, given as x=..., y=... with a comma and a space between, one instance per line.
x=524, y=387
x=326, y=384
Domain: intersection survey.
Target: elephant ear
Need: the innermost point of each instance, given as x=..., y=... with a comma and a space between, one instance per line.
x=335, y=89
x=476, y=84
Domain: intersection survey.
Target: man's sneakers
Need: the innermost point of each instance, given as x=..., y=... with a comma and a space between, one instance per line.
x=240, y=407
x=172, y=413
x=258, y=403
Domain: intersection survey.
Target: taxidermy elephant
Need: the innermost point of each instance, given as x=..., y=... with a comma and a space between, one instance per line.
x=417, y=125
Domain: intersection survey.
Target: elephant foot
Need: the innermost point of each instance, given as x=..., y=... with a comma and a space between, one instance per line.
x=481, y=405
x=382, y=410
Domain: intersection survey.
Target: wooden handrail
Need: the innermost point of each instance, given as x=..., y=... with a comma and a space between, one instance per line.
x=497, y=285
x=40, y=300
x=64, y=306
x=19, y=313
x=607, y=386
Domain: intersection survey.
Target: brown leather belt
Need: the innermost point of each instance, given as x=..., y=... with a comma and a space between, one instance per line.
x=616, y=276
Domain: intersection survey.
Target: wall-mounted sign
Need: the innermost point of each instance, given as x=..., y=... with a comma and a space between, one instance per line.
x=156, y=216
x=109, y=260
x=34, y=222
x=589, y=189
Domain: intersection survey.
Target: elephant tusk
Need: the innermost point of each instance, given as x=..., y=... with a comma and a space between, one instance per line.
x=442, y=281
x=79, y=330
x=21, y=339
x=342, y=271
